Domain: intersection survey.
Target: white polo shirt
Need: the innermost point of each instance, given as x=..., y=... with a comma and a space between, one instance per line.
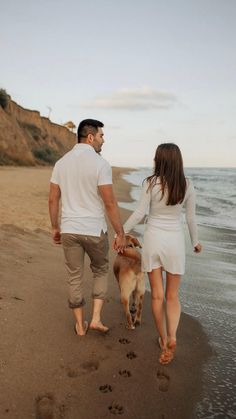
x=78, y=174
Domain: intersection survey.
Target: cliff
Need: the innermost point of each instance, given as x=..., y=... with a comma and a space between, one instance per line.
x=26, y=138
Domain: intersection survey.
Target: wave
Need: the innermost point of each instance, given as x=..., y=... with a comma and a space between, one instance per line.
x=204, y=210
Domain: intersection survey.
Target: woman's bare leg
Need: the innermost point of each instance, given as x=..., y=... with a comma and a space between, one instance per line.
x=158, y=307
x=173, y=308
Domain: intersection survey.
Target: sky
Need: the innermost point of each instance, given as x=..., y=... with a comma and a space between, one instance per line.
x=152, y=71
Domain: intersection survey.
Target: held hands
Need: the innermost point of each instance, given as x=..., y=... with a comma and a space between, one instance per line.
x=119, y=242
x=56, y=235
x=198, y=248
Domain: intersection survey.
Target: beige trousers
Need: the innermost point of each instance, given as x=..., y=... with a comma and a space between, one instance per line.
x=75, y=246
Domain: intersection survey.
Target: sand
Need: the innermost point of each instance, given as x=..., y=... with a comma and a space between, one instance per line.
x=46, y=371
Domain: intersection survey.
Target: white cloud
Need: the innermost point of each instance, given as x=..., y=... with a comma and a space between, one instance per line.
x=143, y=98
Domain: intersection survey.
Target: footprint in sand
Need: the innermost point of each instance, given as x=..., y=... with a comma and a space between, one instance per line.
x=109, y=347
x=125, y=373
x=90, y=366
x=124, y=341
x=106, y=388
x=45, y=405
x=72, y=373
x=163, y=380
x=116, y=409
x=131, y=355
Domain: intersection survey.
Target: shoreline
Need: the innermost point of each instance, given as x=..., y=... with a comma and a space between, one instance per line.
x=51, y=365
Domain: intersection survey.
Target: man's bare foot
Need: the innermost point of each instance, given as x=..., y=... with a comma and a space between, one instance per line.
x=85, y=329
x=99, y=327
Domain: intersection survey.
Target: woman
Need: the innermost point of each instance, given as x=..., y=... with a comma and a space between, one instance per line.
x=164, y=194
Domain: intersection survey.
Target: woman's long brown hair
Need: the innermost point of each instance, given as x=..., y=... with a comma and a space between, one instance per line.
x=168, y=167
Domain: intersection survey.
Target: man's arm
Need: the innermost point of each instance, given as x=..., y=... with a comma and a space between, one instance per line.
x=53, y=202
x=112, y=210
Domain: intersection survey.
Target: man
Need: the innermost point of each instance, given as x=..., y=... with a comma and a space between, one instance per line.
x=82, y=179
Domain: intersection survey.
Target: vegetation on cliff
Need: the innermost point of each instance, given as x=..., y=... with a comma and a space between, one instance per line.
x=4, y=98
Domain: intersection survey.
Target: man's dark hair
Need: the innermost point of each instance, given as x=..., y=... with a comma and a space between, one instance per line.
x=88, y=126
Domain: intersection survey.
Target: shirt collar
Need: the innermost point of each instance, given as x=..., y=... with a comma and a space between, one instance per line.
x=83, y=146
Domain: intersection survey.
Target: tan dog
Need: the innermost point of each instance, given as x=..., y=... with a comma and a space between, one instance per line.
x=127, y=270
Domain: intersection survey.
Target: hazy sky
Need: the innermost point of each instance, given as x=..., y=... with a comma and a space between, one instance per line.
x=151, y=70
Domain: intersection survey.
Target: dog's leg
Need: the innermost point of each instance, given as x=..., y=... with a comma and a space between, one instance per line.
x=139, y=296
x=125, y=302
x=139, y=307
x=133, y=305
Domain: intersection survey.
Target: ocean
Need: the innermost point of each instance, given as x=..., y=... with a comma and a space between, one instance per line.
x=208, y=289
x=215, y=191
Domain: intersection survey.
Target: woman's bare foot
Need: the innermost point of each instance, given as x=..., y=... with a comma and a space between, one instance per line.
x=162, y=344
x=171, y=345
x=167, y=354
x=99, y=327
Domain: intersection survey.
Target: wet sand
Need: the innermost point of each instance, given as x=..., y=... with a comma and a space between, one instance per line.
x=46, y=371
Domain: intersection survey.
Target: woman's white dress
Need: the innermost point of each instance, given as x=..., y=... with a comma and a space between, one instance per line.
x=164, y=242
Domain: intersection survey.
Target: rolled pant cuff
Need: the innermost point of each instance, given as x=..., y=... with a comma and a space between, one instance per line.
x=99, y=297
x=76, y=305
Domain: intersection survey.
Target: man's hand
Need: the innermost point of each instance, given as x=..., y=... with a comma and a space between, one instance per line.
x=56, y=235
x=112, y=210
x=119, y=243
x=53, y=201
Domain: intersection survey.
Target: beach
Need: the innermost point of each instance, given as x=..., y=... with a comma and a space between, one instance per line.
x=46, y=371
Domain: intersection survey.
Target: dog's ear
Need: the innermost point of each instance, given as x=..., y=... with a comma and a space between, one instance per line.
x=136, y=242
x=128, y=239
x=132, y=240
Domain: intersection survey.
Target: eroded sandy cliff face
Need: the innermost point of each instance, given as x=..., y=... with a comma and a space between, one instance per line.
x=26, y=138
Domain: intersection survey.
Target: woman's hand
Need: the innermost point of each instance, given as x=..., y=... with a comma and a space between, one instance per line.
x=198, y=248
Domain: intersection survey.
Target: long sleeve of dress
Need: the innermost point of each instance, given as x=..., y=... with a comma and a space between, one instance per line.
x=190, y=206
x=141, y=210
